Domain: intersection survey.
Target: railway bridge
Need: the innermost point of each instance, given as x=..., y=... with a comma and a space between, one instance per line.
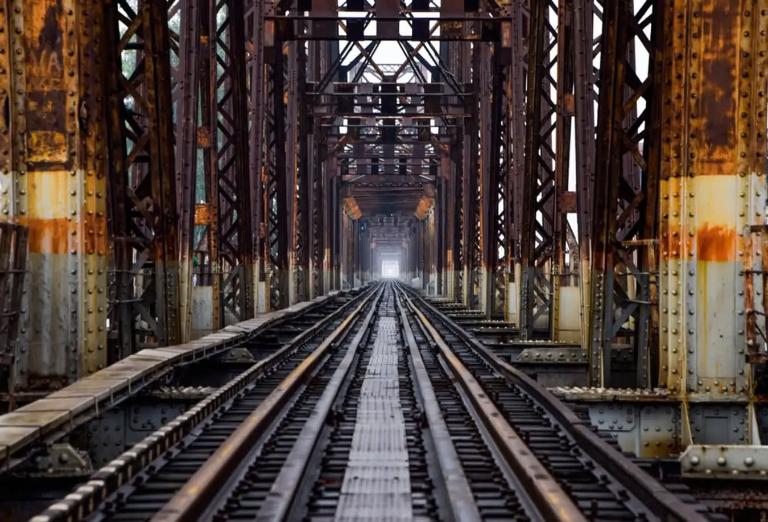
x=383, y=260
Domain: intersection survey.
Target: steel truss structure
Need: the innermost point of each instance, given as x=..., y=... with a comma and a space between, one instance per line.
x=187, y=164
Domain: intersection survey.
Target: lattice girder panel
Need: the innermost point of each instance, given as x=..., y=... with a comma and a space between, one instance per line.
x=229, y=158
x=624, y=216
x=538, y=186
x=144, y=289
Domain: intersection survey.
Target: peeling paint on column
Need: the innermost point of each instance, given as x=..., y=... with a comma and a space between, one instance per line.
x=53, y=182
x=712, y=193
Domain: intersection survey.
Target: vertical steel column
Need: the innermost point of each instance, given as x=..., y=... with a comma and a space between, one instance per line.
x=144, y=294
x=500, y=163
x=276, y=194
x=256, y=34
x=185, y=99
x=448, y=174
x=535, y=292
x=459, y=239
x=472, y=236
x=329, y=218
x=316, y=155
x=227, y=98
x=542, y=184
x=441, y=246
x=485, y=81
x=624, y=211
x=561, y=267
x=517, y=74
x=712, y=194
x=585, y=101
x=53, y=181
x=297, y=143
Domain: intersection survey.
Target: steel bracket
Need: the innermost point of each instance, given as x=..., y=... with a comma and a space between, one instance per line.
x=725, y=462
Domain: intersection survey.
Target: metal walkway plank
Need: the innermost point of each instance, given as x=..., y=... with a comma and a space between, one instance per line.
x=377, y=482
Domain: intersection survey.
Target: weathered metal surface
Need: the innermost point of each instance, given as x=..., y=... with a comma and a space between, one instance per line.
x=539, y=185
x=712, y=191
x=624, y=206
x=184, y=31
x=729, y=462
x=224, y=141
x=144, y=290
x=53, y=182
x=13, y=266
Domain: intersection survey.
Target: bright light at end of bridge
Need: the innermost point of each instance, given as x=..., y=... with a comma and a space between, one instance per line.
x=390, y=269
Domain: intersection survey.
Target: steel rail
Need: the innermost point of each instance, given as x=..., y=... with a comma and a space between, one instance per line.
x=654, y=496
x=194, y=497
x=552, y=501
x=460, y=498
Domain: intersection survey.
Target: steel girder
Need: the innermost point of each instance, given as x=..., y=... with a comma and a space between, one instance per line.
x=712, y=198
x=184, y=32
x=625, y=189
x=586, y=49
x=275, y=190
x=231, y=242
x=144, y=289
x=256, y=39
x=299, y=177
x=208, y=90
x=544, y=186
x=13, y=264
x=52, y=162
x=292, y=179
x=499, y=158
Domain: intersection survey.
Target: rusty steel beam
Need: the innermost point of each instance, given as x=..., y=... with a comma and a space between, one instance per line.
x=184, y=22
x=500, y=166
x=563, y=253
x=298, y=182
x=318, y=61
x=275, y=195
x=713, y=210
x=538, y=179
x=228, y=156
x=516, y=74
x=52, y=172
x=471, y=183
x=544, y=196
x=586, y=50
x=143, y=214
x=13, y=267
x=624, y=205
x=256, y=34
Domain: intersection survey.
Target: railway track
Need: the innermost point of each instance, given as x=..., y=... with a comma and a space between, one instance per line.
x=386, y=410
x=138, y=482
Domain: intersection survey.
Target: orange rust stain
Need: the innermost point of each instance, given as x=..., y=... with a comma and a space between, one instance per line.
x=713, y=243
x=675, y=242
x=425, y=204
x=716, y=243
x=352, y=208
x=62, y=236
x=202, y=214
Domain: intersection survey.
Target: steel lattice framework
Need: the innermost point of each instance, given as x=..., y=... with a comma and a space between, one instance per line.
x=145, y=282
x=551, y=163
